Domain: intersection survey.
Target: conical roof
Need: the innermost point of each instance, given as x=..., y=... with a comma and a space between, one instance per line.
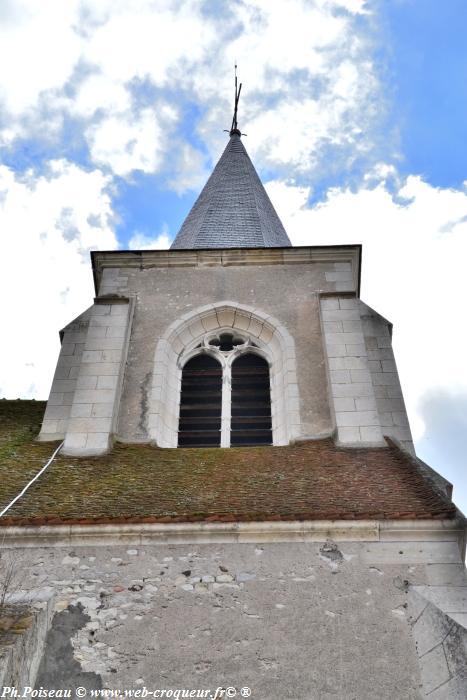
x=233, y=209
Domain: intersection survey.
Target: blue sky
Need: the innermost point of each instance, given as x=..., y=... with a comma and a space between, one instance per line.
x=426, y=67
x=112, y=117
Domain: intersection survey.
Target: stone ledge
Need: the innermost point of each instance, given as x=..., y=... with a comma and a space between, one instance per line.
x=237, y=532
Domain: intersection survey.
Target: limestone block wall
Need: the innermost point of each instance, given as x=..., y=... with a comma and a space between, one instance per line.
x=94, y=409
x=113, y=281
x=58, y=408
x=352, y=391
x=365, y=388
x=341, y=276
x=384, y=376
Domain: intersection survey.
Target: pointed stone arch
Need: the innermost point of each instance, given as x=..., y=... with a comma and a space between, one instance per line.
x=184, y=338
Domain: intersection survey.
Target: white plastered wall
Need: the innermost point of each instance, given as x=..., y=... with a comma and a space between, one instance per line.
x=275, y=344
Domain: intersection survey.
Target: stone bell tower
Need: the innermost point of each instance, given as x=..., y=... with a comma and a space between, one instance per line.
x=231, y=270
x=233, y=404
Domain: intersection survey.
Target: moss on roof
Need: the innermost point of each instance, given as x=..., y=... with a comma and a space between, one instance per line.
x=142, y=483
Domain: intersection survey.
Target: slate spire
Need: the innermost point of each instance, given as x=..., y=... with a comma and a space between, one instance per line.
x=233, y=209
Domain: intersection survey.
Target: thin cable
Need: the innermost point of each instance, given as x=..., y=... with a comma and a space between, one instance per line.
x=32, y=480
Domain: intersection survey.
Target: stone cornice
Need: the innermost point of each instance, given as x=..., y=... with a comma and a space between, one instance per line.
x=252, y=532
x=225, y=257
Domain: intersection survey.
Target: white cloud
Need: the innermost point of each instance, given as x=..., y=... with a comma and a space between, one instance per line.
x=102, y=61
x=84, y=58
x=309, y=85
x=49, y=223
x=142, y=241
x=148, y=39
x=190, y=171
x=357, y=7
x=414, y=248
x=39, y=48
x=126, y=142
x=98, y=92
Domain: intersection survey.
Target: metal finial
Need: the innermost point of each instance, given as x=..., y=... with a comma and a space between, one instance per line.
x=234, y=128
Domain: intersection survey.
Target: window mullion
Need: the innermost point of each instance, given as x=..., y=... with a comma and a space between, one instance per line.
x=226, y=406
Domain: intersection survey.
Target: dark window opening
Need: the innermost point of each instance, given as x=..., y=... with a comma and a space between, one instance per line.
x=251, y=402
x=200, y=403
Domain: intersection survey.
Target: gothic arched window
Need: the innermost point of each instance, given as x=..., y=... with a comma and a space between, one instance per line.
x=225, y=397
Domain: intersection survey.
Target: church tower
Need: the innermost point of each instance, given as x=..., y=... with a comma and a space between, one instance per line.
x=231, y=337
x=238, y=470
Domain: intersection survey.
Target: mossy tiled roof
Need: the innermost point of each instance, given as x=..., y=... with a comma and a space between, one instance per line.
x=140, y=483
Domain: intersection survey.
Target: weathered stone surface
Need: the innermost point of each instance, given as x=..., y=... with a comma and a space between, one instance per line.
x=288, y=613
x=23, y=627
x=434, y=669
x=59, y=667
x=278, y=626
x=287, y=295
x=88, y=430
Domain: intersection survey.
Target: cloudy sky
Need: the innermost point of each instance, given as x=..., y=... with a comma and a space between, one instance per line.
x=111, y=118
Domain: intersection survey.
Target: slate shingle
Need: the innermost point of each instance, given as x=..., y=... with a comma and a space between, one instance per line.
x=233, y=209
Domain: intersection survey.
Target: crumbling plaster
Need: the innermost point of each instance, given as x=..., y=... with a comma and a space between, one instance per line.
x=289, y=620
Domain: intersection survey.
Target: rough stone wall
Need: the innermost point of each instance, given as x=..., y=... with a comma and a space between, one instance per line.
x=59, y=668
x=23, y=629
x=288, y=620
x=58, y=408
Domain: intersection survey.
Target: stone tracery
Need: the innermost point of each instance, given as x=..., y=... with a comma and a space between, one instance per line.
x=206, y=330
x=252, y=422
